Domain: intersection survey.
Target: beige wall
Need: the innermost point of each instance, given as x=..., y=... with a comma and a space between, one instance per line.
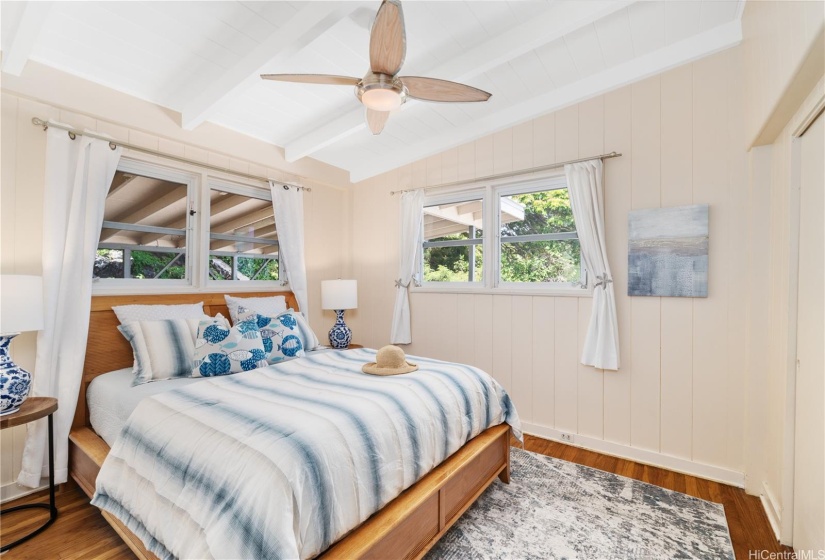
x=774, y=223
x=22, y=151
x=780, y=39
x=678, y=399
x=783, y=67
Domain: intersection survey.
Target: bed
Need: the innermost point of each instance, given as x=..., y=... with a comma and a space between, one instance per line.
x=405, y=527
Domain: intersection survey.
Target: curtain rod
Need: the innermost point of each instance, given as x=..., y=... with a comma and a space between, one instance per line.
x=114, y=143
x=509, y=174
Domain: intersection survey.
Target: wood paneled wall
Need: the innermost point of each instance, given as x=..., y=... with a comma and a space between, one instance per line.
x=679, y=396
x=777, y=35
x=21, y=204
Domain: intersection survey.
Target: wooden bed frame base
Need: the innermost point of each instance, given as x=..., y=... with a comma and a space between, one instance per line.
x=407, y=527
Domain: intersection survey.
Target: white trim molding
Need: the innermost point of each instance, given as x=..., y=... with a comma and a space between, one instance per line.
x=12, y=490
x=772, y=509
x=653, y=458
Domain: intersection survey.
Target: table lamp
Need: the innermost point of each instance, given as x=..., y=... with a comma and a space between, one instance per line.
x=21, y=310
x=339, y=295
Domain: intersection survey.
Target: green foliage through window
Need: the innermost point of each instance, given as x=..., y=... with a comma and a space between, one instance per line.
x=554, y=261
x=220, y=268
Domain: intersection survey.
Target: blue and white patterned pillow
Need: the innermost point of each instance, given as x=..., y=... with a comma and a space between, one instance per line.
x=163, y=349
x=223, y=350
x=284, y=335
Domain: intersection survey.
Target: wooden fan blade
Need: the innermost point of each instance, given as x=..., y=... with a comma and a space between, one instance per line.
x=376, y=120
x=325, y=79
x=388, y=41
x=432, y=89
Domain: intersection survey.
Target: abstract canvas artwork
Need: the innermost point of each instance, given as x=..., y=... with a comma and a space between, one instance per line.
x=668, y=252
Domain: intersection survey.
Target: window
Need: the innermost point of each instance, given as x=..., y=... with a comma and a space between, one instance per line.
x=146, y=226
x=164, y=227
x=538, y=241
x=243, y=243
x=533, y=242
x=453, y=249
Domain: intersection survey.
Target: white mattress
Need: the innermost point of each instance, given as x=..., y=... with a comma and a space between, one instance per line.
x=111, y=399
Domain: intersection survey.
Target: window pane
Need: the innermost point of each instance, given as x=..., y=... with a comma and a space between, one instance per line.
x=541, y=261
x=156, y=264
x=536, y=258
x=145, y=220
x=452, y=250
x=243, y=242
x=536, y=213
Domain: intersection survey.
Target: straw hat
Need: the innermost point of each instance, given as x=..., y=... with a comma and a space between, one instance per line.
x=390, y=360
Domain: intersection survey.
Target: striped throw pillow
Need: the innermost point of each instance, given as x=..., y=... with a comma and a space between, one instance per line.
x=163, y=349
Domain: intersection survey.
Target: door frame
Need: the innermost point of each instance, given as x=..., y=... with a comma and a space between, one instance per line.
x=789, y=432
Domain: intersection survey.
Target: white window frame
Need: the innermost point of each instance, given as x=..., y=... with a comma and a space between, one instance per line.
x=136, y=285
x=450, y=198
x=223, y=185
x=491, y=201
x=199, y=183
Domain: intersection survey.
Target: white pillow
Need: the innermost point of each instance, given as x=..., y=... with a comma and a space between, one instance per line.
x=163, y=349
x=269, y=306
x=128, y=313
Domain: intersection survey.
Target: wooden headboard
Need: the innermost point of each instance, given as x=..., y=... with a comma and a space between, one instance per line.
x=107, y=350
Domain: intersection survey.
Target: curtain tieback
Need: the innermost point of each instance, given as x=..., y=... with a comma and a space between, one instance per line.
x=400, y=284
x=603, y=281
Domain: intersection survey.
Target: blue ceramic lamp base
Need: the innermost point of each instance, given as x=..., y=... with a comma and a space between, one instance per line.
x=340, y=335
x=14, y=380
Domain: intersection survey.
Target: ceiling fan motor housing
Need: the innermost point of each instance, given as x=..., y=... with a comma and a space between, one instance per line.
x=381, y=92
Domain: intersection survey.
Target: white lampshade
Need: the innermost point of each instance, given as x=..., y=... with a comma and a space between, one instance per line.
x=381, y=99
x=339, y=294
x=21, y=303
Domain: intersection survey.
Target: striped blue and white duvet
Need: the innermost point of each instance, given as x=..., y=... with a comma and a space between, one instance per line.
x=282, y=461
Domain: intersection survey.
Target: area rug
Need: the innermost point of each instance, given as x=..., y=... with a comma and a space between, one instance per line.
x=561, y=510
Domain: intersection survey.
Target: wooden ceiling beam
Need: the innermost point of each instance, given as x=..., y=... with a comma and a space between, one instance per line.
x=202, y=98
x=560, y=18
x=145, y=212
x=127, y=179
x=697, y=46
x=264, y=214
x=266, y=232
x=222, y=205
x=25, y=38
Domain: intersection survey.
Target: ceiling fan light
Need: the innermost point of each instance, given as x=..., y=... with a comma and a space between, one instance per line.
x=379, y=99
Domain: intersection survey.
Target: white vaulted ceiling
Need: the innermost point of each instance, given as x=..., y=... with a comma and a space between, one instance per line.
x=203, y=59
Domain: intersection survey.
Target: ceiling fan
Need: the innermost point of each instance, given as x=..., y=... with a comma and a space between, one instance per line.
x=381, y=90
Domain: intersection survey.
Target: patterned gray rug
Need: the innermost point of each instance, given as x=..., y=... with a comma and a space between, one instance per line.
x=561, y=510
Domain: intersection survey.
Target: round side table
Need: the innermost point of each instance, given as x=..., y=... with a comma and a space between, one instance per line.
x=33, y=409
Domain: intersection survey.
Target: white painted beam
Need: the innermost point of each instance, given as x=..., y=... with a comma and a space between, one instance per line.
x=559, y=19
x=25, y=37
x=304, y=27
x=683, y=52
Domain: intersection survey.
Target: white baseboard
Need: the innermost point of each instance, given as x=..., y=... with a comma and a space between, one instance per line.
x=772, y=509
x=685, y=466
x=12, y=490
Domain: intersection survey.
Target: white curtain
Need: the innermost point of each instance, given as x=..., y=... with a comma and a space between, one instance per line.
x=78, y=175
x=288, y=203
x=584, y=181
x=412, y=206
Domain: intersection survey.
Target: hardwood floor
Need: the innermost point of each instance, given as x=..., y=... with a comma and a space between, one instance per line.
x=80, y=532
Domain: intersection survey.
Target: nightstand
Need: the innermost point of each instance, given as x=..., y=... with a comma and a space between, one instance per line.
x=350, y=347
x=33, y=409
